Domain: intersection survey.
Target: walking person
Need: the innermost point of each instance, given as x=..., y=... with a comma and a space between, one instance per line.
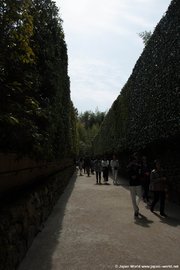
x=114, y=163
x=157, y=186
x=145, y=179
x=98, y=169
x=84, y=168
x=105, y=168
x=135, y=183
x=87, y=164
x=81, y=163
x=92, y=165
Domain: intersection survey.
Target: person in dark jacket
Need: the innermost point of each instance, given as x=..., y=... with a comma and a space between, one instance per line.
x=87, y=165
x=135, y=183
x=145, y=178
x=105, y=168
x=157, y=186
x=98, y=170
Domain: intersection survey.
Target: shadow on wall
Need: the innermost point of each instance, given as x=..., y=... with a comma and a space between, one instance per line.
x=46, y=242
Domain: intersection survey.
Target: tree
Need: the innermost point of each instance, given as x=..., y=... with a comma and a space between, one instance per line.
x=88, y=126
x=145, y=36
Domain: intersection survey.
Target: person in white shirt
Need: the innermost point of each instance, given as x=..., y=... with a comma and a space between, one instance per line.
x=114, y=166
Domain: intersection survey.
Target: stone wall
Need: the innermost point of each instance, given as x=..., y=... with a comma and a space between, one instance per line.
x=23, y=214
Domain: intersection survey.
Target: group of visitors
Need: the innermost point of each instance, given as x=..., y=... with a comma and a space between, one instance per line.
x=100, y=167
x=142, y=179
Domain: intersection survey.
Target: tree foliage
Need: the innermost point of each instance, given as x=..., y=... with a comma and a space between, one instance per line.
x=36, y=113
x=145, y=36
x=88, y=126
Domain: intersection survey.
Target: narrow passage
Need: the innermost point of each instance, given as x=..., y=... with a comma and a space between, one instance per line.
x=93, y=227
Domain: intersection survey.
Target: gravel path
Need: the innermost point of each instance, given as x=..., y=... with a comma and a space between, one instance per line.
x=93, y=227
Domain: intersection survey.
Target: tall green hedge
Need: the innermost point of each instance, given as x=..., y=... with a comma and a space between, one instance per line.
x=148, y=107
x=36, y=113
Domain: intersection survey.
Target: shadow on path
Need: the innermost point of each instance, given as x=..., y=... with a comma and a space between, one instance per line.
x=173, y=210
x=143, y=221
x=46, y=242
x=89, y=218
x=170, y=220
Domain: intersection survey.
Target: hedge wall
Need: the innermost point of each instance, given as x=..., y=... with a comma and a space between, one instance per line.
x=147, y=110
x=37, y=117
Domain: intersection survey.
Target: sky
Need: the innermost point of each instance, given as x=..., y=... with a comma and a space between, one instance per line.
x=103, y=45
